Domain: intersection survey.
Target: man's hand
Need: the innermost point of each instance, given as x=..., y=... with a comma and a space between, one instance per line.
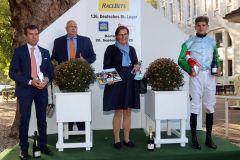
x=40, y=85
x=44, y=82
x=36, y=83
x=110, y=82
x=219, y=72
x=193, y=74
x=191, y=62
x=82, y=58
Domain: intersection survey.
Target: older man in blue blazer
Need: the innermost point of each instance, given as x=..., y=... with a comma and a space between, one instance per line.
x=73, y=46
x=82, y=46
x=32, y=70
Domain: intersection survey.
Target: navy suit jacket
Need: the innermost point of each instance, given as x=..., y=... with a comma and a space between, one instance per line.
x=20, y=70
x=84, y=47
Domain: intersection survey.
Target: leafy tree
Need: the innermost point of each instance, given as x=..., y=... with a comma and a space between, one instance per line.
x=6, y=37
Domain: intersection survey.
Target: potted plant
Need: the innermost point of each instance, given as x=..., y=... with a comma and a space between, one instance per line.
x=74, y=76
x=73, y=103
x=165, y=101
x=164, y=75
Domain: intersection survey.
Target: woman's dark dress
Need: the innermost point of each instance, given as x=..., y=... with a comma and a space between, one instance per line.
x=124, y=94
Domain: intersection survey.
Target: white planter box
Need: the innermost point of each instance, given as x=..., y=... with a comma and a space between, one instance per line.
x=73, y=107
x=167, y=105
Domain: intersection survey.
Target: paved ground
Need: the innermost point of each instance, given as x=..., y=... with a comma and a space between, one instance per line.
x=234, y=122
x=7, y=112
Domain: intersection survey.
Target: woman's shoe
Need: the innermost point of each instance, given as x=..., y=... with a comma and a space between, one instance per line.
x=117, y=145
x=129, y=144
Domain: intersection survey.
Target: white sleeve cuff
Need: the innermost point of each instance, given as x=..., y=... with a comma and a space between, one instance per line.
x=30, y=82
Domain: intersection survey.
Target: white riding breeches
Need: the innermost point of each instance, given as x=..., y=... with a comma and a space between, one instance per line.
x=202, y=91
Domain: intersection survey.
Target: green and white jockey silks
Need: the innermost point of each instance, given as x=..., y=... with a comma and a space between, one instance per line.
x=202, y=87
x=201, y=49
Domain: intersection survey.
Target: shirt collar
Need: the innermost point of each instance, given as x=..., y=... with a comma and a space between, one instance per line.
x=201, y=35
x=30, y=46
x=68, y=37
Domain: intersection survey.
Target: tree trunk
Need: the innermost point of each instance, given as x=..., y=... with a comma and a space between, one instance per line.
x=14, y=128
x=42, y=13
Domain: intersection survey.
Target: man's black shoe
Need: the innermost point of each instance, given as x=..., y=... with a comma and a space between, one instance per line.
x=23, y=155
x=45, y=150
x=195, y=143
x=209, y=142
x=196, y=146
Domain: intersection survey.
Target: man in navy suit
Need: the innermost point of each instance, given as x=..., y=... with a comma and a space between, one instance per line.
x=32, y=70
x=82, y=48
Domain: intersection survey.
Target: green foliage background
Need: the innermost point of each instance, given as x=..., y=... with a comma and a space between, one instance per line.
x=6, y=37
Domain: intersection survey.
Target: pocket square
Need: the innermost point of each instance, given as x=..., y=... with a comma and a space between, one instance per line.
x=45, y=58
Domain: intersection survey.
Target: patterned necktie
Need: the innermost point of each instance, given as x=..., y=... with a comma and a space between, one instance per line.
x=33, y=64
x=72, y=49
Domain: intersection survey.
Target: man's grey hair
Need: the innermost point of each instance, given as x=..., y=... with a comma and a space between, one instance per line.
x=69, y=22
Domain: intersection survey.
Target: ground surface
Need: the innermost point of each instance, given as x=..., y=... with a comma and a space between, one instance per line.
x=7, y=113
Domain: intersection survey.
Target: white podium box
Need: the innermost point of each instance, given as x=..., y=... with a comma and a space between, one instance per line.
x=73, y=107
x=167, y=105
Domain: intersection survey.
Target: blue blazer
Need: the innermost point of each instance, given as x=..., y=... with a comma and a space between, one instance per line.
x=84, y=46
x=20, y=70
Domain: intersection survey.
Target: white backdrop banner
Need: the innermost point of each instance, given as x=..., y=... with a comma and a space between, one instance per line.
x=97, y=19
x=151, y=34
x=105, y=16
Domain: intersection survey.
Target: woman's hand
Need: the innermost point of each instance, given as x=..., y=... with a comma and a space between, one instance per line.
x=136, y=67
